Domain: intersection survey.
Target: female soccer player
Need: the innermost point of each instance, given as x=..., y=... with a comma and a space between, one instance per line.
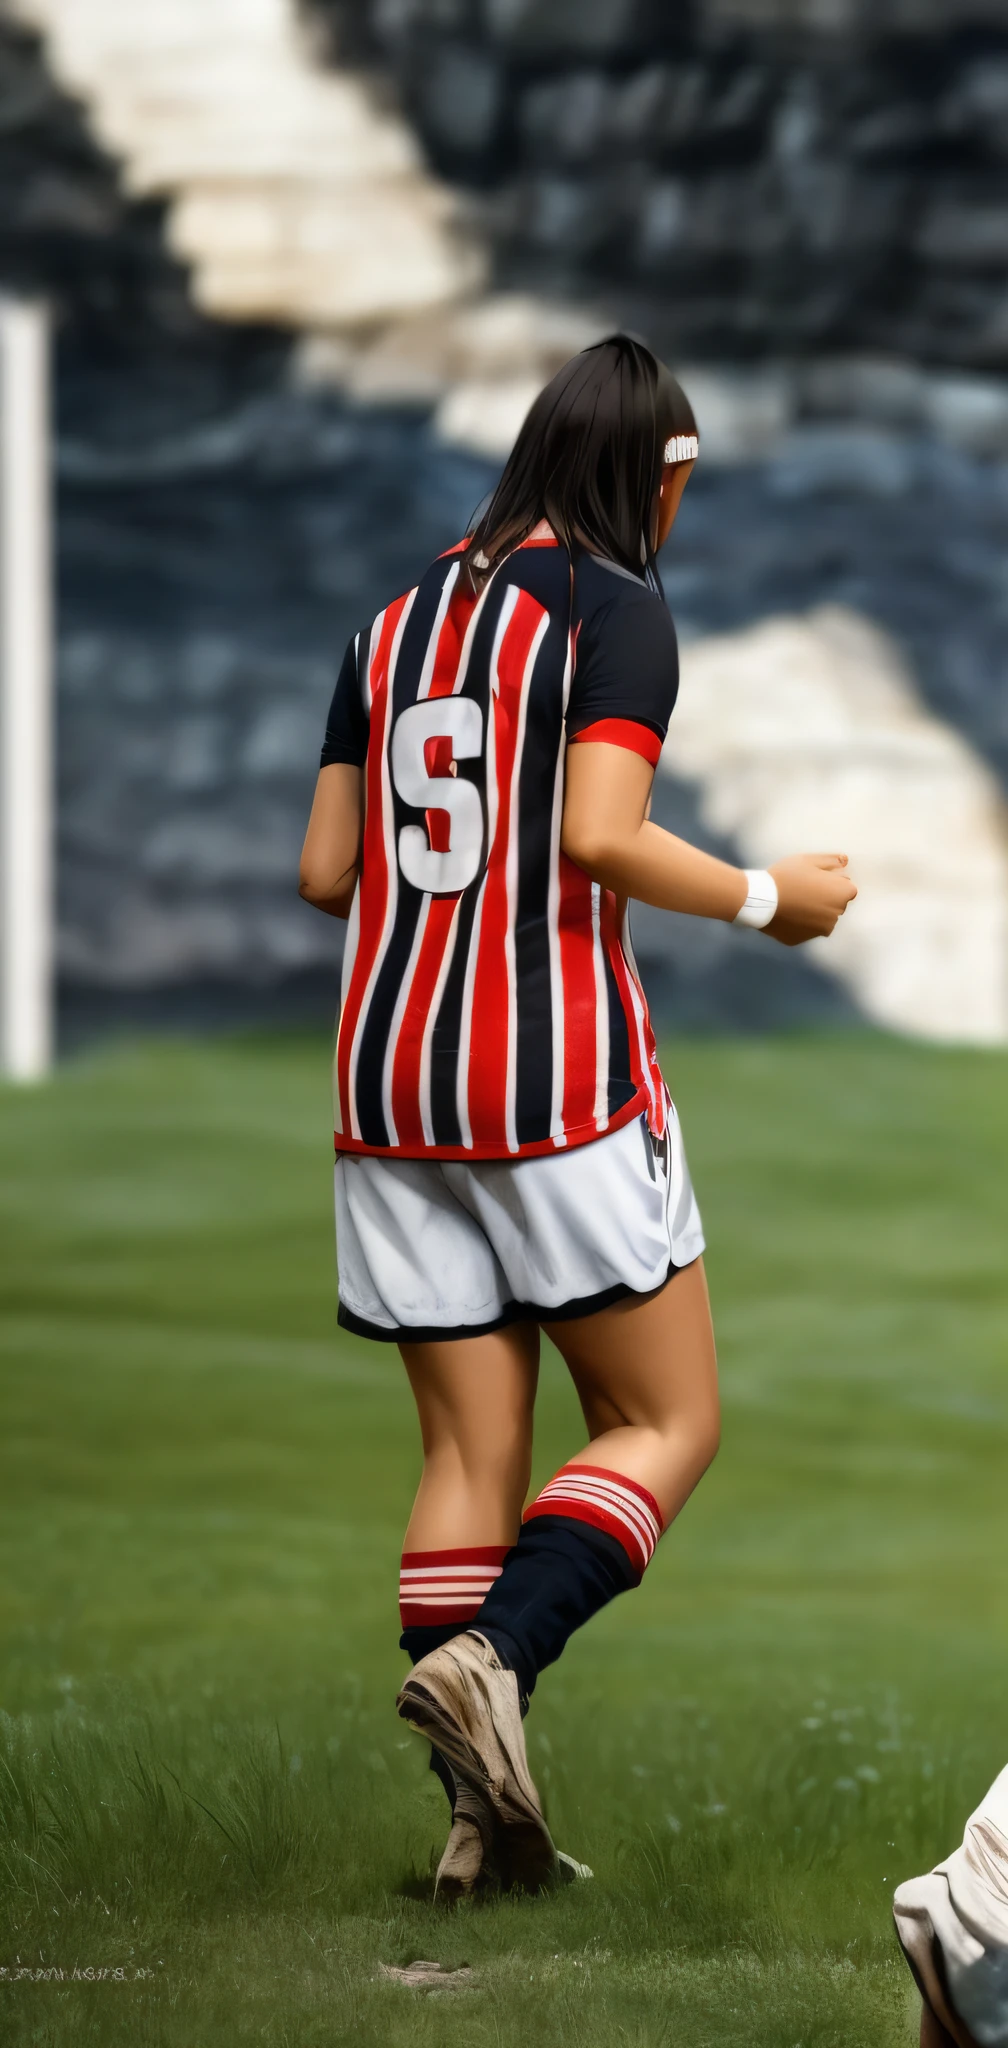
x=508, y=1157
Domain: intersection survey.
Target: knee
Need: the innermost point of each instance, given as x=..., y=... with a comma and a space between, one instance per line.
x=697, y=1432
x=706, y=1422
x=708, y=1439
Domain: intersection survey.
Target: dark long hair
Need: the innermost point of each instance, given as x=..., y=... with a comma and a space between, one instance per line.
x=588, y=458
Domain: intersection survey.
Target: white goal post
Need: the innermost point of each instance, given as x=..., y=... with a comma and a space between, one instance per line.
x=26, y=717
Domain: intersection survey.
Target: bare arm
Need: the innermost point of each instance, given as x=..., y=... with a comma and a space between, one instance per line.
x=606, y=831
x=330, y=857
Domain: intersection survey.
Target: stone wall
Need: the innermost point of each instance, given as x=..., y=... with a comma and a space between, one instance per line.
x=66, y=227
x=746, y=177
x=906, y=18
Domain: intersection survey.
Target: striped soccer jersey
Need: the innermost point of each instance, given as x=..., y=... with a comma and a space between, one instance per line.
x=491, y=1007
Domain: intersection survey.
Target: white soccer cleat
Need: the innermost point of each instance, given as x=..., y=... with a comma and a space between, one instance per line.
x=468, y=1869
x=464, y=1701
x=468, y=1866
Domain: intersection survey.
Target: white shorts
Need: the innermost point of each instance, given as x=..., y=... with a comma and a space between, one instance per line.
x=436, y=1248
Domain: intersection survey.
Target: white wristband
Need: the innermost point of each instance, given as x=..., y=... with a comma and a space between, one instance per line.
x=760, y=905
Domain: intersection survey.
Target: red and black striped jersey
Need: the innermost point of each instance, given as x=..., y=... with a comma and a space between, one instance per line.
x=491, y=1007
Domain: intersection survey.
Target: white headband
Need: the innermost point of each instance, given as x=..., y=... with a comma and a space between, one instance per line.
x=682, y=448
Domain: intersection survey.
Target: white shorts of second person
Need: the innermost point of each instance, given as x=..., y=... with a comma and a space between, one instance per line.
x=433, y=1248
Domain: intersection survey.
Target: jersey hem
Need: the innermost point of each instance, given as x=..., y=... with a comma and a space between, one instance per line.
x=514, y=1312
x=539, y=1148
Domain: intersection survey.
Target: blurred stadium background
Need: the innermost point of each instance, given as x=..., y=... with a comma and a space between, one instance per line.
x=306, y=262
x=307, y=265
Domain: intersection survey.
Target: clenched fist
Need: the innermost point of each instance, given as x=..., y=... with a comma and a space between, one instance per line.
x=813, y=890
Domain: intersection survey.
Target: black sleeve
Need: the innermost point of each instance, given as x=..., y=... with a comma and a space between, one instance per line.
x=348, y=725
x=626, y=664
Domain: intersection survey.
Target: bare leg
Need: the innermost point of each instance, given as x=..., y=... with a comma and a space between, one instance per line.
x=646, y=1377
x=475, y=1397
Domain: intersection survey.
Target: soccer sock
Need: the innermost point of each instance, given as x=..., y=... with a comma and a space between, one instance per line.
x=440, y=1593
x=590, y=1535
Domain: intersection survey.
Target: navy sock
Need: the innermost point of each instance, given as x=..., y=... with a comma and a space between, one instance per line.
x=418, y=1642
x=557, y=1576
x=590, y=1535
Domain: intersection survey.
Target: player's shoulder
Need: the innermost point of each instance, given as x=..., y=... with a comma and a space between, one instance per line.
x=611, y=599
x=542, y=568
x=388, y=615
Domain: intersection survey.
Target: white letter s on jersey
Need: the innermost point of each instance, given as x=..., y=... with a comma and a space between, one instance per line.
x=460, y=720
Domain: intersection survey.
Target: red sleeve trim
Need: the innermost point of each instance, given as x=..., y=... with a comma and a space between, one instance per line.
x=623, y=732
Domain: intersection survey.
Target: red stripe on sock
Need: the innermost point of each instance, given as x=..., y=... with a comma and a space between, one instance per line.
x=620, y=1478
x=605, y=1500
x=490, y=1553
x=442, y=1586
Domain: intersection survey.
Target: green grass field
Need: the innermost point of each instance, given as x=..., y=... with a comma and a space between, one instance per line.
x=204, y=1791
